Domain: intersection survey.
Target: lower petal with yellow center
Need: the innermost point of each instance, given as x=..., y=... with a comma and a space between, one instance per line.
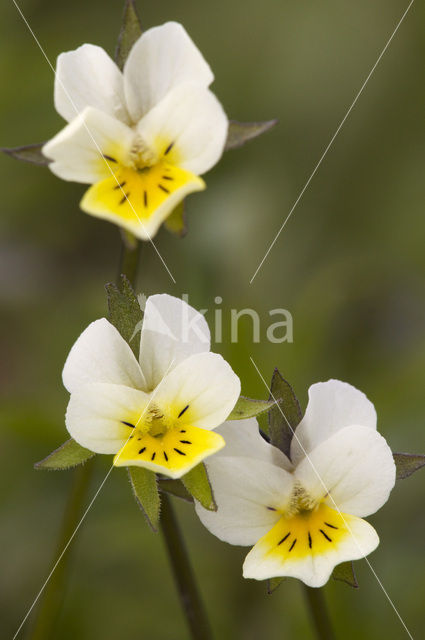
x=140, y=199
x=172, y=453
x=309, y=545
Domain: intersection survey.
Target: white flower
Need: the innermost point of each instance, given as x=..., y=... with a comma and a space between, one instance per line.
x=157, y=412
x=304, y=515
x=142, y=137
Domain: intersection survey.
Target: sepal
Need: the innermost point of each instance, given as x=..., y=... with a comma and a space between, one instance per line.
x=131, y=30
x=285, y=417
x=125, y=312
x=28, y=153
x=249, y=408
x=68, y=455
x=273, y=584
x=145, y=490
x=174, y=488
x=408, y=463
x=241, y=132
x=344, y=572
x=197, y=483
x=176, y=221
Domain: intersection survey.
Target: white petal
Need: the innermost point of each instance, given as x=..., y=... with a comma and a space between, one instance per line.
x=96, y=412
x=78, y=150
x=191, y=119
x=87, y=77
x=243, y=439
x=204, y=386
x=171, y=332
x=332, y=405
x=161, y=59
x=244, y=489
x=356, y=539
x=355, y=467
x=101, y=355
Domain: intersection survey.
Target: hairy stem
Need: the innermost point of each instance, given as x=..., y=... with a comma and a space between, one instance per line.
x=187, y=588
x=319, y=613
x=129, y=258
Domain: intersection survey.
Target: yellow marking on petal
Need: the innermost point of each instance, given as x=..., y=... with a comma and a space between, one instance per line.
x=309, y=533
x=172, y=453
x=133, y=195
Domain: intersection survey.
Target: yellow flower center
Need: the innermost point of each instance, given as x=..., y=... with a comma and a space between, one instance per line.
x=306, y=531
x=163, y=439
x=140, y=185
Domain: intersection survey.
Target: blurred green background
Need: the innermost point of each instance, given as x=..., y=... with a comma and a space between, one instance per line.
x=349, y=265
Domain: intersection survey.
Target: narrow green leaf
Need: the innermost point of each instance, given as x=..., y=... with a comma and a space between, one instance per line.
x=131, y=30
x=408, y=463
x=285, y=417
x=145, y=490
x=176, y=221
x=241, y=132
x=198, y=485
x=344, y=572
x=273, y=584
x=248, y=408
x=68, y=455
x=175, y=488
x=29, y=153
x=125, y=312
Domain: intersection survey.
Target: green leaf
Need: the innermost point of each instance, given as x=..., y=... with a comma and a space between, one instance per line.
x=145, y=490
x=68, y=455
x=175, y=488
x=345, y=573
x=408, y=463
x=285, y=417
x=198, y=485
x=241, y=132
x=176, y=221
x=273, y=584
x=248, y=408
x=125, y=312
x=29, y=153
x=131, y=30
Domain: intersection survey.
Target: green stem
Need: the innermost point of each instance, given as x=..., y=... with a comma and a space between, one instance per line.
x=190, y=598
x=183, y=574
x=130, y=256
x=52, y=596
x=319, y=613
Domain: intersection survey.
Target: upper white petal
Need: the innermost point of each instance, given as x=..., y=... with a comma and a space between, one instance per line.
x=204, y=383
x=243, y=489
x=243, y=439
x=172, y=330
x=87, y=77
x=332, y=405
x=191, y=118
x=161, y=59
x=354, y=468
x=95, y=413
x=101, y=355
x=77, y=149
